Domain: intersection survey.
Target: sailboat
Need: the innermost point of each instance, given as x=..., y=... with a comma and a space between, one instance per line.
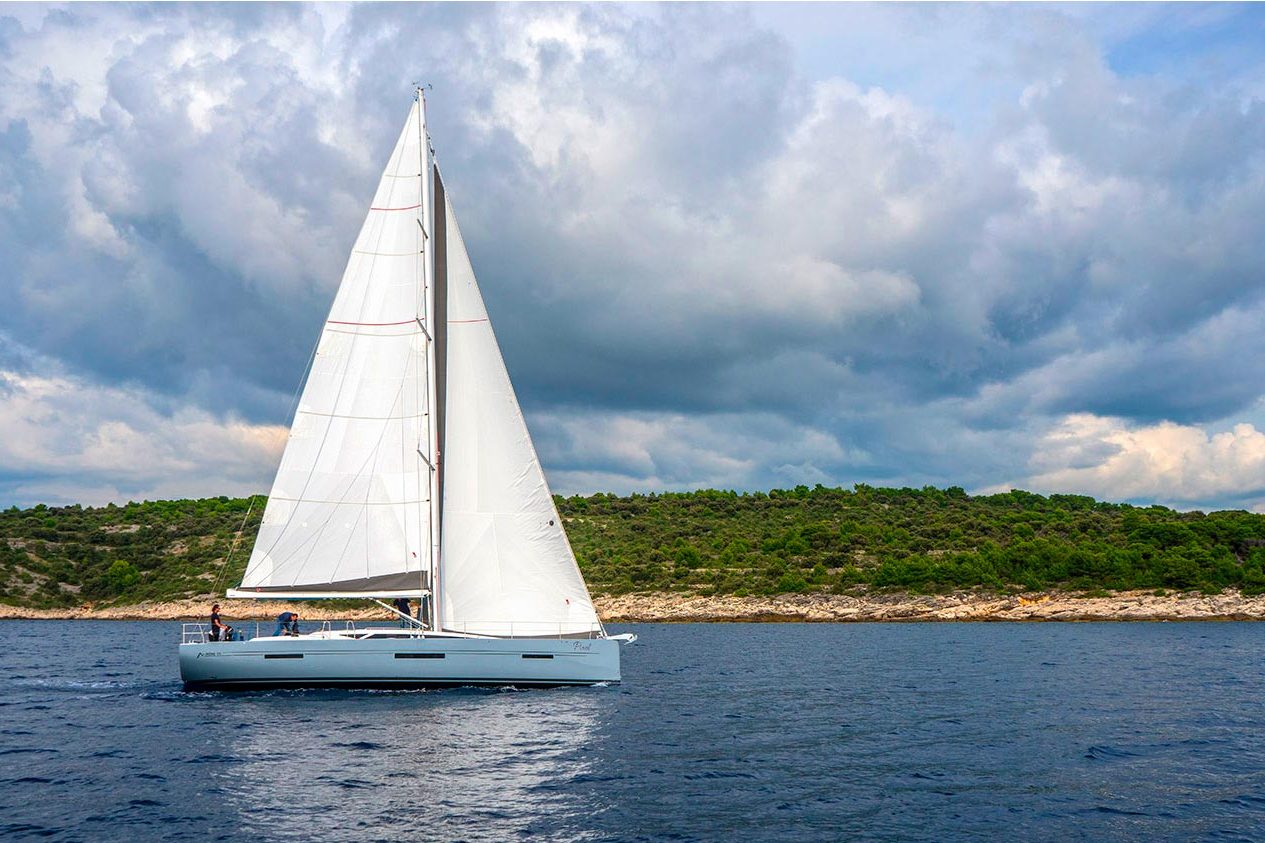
x=409, y=472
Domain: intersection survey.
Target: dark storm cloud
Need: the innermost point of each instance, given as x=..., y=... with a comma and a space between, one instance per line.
x=725, y=266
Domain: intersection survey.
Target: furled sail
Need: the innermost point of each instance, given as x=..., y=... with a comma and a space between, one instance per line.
x=506, y=567
x=349, y=511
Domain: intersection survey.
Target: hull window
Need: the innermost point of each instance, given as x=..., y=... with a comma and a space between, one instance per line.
x=537, y=656
x=419, y=655
x=283, y=655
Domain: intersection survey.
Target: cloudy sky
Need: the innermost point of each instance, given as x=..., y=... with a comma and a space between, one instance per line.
x=723, y=246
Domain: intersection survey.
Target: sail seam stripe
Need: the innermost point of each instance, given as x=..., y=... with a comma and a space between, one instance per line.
x=386, y=254
x=376, y=336
x=371, y=324
x=465, y=321
x=404, y=208
x=366, y=418
x=349, y=503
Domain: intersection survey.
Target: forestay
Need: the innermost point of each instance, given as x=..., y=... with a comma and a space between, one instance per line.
x=349, y=509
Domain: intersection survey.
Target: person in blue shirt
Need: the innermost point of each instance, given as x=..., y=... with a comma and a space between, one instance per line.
x=287, y=624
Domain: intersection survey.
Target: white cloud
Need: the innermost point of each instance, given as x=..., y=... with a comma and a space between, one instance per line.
x=65, y=440
x=176, y=116
x=1110, y=458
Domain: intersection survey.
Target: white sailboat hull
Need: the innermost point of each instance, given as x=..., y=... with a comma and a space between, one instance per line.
x=333, y=660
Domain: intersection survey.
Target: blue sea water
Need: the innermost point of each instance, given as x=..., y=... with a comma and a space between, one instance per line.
x=719, y=732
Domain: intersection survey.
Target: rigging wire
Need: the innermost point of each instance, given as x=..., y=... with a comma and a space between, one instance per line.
x=290, y=414
x=215, y=589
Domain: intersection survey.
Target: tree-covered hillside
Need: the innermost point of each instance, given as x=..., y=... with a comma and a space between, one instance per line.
x=707, y=542
x=906, y=540
x=62, y=556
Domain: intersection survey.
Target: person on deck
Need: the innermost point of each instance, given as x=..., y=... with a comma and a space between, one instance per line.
x=219, y=629
x=402, y=606
x=287, y=624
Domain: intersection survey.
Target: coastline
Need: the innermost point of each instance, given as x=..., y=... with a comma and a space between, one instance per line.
x=959, y=606
x=783, y=608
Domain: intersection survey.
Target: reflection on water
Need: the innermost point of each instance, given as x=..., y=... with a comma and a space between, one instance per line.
x=458, y=764
x=720, y=732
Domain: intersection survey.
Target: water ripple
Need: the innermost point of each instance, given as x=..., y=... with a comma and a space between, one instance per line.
x=745, y=732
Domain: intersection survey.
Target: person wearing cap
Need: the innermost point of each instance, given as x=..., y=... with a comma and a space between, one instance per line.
x=218, y=627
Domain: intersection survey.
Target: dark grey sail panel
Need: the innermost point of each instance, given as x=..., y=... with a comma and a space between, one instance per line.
x=403, y=581
x=440, y=326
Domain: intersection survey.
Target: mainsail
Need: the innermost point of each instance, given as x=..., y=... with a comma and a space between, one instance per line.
x=377, y=495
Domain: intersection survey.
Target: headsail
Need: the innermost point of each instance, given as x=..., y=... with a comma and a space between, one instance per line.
x=349, y=511
x=507, y=568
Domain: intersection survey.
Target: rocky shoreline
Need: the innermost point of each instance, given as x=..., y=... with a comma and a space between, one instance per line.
x=961, y=606
x=818, y=608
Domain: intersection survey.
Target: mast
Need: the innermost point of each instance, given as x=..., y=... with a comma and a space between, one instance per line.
x=426, y=221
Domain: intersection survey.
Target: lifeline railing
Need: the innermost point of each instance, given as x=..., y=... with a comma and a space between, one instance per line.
x=200, y=633
x=526, y=629
x=328, y=626
x=193, y=633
